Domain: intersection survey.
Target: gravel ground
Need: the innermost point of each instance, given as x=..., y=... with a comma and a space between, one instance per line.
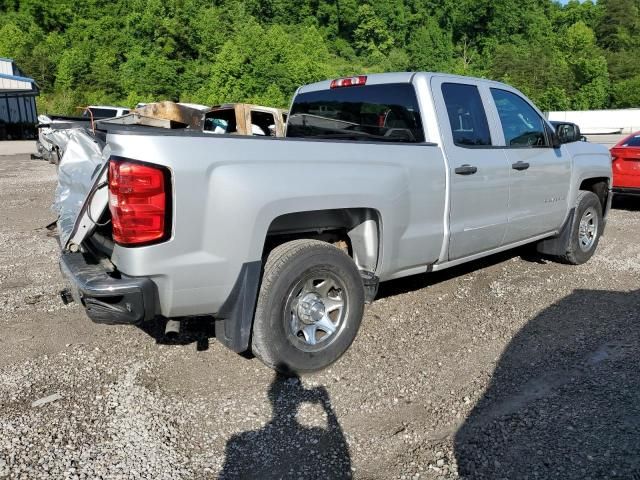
x=511, y=367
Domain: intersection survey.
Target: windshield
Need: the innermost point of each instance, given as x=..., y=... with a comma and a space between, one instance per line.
x=372, y=112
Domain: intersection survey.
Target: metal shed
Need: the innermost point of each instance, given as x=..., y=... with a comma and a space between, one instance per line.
x=18, y=115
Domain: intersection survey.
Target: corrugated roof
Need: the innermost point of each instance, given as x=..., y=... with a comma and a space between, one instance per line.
x=16, y=78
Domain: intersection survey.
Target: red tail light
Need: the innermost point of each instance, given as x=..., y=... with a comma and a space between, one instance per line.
x=615, y=153
x=140, y=202
x=349, y=82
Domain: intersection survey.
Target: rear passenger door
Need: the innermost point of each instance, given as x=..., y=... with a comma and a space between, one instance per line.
x=478, y=173
x=539, y=174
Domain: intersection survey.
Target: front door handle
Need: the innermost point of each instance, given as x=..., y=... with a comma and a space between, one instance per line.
x=466, y=170
x=520, y=165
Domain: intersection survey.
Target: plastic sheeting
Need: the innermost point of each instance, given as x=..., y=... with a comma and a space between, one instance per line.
x=79, y=166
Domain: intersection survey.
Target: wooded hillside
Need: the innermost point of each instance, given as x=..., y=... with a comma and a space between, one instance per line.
x=579, y=56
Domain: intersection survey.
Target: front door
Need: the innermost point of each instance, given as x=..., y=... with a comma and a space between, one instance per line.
x=540, y=174
x=479, y=173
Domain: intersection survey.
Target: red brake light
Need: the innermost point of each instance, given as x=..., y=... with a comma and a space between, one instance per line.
x=349, y=82
x=139, y=201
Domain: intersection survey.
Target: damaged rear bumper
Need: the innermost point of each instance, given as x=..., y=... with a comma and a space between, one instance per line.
x=108, y=297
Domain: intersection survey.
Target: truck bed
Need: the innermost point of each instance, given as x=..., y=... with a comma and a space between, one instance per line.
x=245, y=182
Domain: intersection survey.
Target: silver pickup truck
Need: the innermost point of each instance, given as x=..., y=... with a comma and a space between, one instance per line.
x=282, y=241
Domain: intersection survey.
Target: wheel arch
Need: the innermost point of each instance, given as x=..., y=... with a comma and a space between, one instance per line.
x=357, y=230
x=599, y=186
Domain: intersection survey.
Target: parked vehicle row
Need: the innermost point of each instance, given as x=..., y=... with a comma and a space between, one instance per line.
x=281, y=241
x=55, y=131
x=230, y=118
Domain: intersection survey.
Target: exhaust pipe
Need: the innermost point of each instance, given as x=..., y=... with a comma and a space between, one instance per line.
x=172, y=329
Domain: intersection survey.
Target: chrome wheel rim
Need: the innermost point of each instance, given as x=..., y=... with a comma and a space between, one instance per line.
x=315, y=311
x=588, y=229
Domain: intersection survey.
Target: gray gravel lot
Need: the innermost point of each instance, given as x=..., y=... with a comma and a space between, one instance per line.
x=511, y=367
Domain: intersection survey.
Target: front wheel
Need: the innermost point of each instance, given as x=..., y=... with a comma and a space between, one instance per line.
x=585, y=230
x=309, y=308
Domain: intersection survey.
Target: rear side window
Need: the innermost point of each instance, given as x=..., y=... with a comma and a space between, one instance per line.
x=466, y=113
x=521, y=124
x=371, y=112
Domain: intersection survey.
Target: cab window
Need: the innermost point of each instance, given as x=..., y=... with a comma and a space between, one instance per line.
x=386, y=113
x=467, y=117
x=263, y=123
x=221, y=121
x=521, y=124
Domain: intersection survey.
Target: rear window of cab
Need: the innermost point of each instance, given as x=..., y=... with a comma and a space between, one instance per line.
x=386, y=113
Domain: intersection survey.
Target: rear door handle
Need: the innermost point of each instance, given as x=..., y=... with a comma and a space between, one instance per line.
x=520, y=165
x=466, y=170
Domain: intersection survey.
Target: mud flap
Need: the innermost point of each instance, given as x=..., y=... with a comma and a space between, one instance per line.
x=558, y=245
x=234, y=321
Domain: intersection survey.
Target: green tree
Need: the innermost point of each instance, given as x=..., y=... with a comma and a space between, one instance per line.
x=589, y=67
x=371, y=37
x=13, y=42
x=619, y=25
x=579, y=55
x=266, y=65
x=72, y=68
x=152, y=76
x=626, y=93
x=430, y=48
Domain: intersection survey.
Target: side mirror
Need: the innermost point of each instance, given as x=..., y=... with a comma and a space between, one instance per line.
x=553, y=137
x=568, y=132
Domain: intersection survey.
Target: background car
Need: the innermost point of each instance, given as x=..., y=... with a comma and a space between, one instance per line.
x=626, y=165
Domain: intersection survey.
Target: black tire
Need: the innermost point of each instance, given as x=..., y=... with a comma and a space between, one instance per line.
x=577, y=254
x=274, y=338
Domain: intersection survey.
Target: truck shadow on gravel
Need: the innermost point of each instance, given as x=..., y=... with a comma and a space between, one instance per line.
x=412, y=283
x=564, y=399
x=285, y=448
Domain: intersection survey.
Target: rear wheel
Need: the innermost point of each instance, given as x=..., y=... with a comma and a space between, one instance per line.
x=585, y=230
x=309, y=308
